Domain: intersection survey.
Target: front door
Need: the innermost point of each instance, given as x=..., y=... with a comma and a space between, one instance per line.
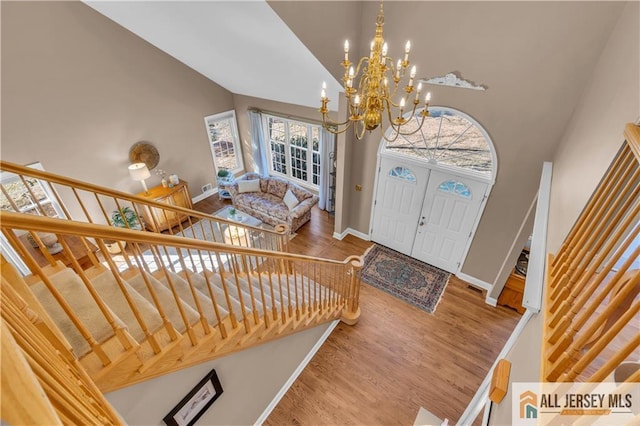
x=451, y=207
x=399, y=198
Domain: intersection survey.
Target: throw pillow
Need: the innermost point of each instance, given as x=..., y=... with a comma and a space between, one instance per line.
x=290, y=200
x=277, y=186
x=249, y=186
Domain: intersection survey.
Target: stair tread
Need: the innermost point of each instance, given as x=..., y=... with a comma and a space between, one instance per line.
x=109, y=290
x=166, y=300
x=184, y=291
x=84, y=307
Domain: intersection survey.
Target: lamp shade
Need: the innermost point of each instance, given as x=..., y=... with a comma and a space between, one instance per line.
x=139, y=171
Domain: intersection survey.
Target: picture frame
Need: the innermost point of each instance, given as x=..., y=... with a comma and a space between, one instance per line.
x=197, y=401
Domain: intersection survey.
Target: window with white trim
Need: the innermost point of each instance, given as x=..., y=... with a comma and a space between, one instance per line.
x=31, y=196
x=224, y=141
x=294, y=149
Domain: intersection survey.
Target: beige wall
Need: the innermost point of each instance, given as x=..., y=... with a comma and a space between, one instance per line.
x=592, y=138
x=594, y=135
x=250, y=380
x=78, y=90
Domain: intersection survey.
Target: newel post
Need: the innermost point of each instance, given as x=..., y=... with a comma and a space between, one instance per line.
x=351, y=311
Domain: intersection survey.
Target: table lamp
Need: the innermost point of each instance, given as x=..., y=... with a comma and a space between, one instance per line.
x=139, y=171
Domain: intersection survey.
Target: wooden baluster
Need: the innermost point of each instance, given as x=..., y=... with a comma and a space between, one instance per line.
x=565, y=350
x=143, y=324
x=283, y=308
x=212, y=297
x=611, y=177
x=567, y=308
x=584, y=360
x=143, y=270
x=610, y=366
x=82, y=329
x=41, y=356
x=108, y=314
x=203, y=319
x=245, y=319
x=172, y=286
x=292, y=274
x=269, y=272
x=566, y=337
x=23, y=399
x=232, y=315
x=599, y=231
x=265, y=311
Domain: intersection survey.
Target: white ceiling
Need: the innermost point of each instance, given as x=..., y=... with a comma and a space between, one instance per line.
x=236, y=44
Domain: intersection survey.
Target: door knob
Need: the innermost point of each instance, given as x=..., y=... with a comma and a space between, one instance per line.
x=421, y=223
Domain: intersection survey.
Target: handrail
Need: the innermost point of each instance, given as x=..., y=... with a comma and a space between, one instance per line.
x=78, y=187
x=198, y=293
x=55, y=225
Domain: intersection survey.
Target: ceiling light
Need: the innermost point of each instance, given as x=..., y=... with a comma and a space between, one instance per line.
x=370, y=90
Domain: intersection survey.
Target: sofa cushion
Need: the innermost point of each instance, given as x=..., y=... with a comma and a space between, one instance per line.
x=277, y=186
x=290, y=200
x=301, y=194
x=248, y=186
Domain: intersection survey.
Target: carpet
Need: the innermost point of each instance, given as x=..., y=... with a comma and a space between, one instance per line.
x=406, y=278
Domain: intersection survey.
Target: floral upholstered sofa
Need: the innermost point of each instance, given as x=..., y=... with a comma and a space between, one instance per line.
x=273, y=200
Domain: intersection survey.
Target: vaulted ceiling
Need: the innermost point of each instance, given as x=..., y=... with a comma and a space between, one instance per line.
x=532, y=56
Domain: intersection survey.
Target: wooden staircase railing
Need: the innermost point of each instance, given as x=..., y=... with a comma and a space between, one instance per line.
x=82, y=201
x=592, y=321
x=170, y=302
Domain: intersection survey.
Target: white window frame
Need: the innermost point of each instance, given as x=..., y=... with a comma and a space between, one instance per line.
x=288, y=163
x=223, y=116
x=7, y=249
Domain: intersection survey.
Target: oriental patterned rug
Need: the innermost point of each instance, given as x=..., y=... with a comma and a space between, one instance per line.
x=404, y=277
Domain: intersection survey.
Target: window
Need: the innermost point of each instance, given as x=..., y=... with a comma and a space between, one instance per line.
x=26, y=198
x=294, y=149
x=224, y=141
x=402, y=173
x=454, y=187
x=447, y=137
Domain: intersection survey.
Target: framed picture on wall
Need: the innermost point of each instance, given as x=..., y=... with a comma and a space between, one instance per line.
x=193, y=406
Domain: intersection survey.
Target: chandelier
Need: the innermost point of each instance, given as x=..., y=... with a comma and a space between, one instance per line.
x=370, y=90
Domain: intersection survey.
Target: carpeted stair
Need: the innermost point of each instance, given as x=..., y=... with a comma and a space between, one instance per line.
x=84, y=306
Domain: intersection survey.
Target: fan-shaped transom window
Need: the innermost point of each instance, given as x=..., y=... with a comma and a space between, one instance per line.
x=402, y=173
x=447, y=137
x=455, y=187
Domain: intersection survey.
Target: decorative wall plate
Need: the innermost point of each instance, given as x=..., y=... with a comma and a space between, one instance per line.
x=144, y=152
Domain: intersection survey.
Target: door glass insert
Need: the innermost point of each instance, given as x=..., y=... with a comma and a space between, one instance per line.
x=455, y=187
x=402, y=173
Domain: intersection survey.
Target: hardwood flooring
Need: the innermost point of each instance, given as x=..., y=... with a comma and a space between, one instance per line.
x=397, y=357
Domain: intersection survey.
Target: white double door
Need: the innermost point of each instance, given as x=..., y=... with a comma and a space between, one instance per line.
x=425, y=213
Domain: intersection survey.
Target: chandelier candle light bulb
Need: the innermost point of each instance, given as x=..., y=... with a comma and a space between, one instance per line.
x=370, y=95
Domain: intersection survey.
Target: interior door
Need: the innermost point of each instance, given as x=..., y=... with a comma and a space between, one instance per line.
x=451, y=206
x=399, y=197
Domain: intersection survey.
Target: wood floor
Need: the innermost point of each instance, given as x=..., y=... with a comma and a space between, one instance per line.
x=397, y=357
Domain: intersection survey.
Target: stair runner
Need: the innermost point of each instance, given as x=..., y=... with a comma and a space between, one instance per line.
x=75, y=293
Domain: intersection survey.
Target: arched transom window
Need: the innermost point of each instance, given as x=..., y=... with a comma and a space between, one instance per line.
x=447, y=137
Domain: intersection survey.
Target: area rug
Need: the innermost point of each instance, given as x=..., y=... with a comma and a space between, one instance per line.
x=406, y=278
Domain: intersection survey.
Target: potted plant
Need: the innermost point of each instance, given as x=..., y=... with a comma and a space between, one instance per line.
x=123, y=218
x=224, y=175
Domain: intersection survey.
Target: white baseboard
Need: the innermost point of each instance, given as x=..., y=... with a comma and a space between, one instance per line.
x=491, y=301
x=340, y=236
x=204, y=195
x=274, y=402
x=474, y=281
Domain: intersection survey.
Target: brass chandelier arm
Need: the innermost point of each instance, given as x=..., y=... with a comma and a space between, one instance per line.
x=369, y=93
